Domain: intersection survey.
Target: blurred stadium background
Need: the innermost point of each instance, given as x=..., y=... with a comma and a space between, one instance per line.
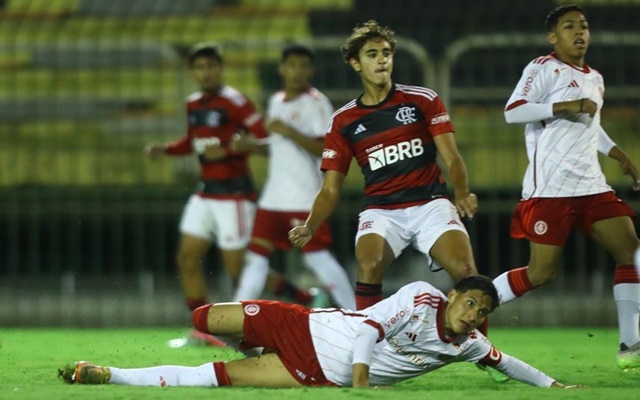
x=88, y=225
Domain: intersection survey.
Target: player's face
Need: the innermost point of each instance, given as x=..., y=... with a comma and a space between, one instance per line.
x=570, y=37
x=207, y=72
x=466, y=311
x=296, y=71
x=374, y=63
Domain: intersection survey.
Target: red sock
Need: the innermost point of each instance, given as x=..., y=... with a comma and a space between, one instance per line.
x=200, y=316
x=519, y=281
x=367, y=294
x=626, y=274
x=220, y=369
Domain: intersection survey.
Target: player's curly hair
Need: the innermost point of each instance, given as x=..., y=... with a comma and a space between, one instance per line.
x=361, y=34
x=555, y=14
x=482, y=283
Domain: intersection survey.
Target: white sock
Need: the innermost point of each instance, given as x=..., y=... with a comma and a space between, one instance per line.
x=333, y=277
x=627, y=297
x=253, y=278
x=165, y=375
x=504, y=288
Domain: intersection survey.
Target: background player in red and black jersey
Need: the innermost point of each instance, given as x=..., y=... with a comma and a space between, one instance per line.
x=395, y=132
x=223, y=207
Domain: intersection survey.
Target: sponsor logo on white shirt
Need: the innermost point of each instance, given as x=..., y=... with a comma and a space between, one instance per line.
x=406, y=115
x=394, y=153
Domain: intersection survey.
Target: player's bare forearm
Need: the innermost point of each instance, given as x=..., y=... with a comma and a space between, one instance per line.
x=626, y=165
x=465, y=201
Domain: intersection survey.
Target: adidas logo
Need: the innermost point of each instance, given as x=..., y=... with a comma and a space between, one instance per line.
x=574, y=84
x=412, y=336
x=453, y=222
x=360, y=129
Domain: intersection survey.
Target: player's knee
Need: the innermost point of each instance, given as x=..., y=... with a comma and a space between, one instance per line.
x=540, y=277
x=461, y=270
x=200, y=317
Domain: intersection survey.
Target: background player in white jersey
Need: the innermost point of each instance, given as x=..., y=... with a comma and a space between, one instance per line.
x=297, y=118
x=415, y=331
x=395, y=132
x=559, y=98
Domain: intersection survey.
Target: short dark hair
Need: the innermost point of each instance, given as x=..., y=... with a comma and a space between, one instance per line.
x=555, y=14
x=298, y=50
x=210, y=50
x=482, y=283
x=361, y=34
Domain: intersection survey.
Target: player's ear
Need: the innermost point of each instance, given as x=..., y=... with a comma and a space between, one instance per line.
x=355, y=64
x=552, y=38
x=452, y=295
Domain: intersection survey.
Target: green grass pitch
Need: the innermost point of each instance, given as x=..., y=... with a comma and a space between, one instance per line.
x=29, y=359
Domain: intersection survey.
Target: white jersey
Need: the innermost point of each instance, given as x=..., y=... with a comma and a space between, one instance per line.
x=294, y=175
x=412, y=340
x=562, y=149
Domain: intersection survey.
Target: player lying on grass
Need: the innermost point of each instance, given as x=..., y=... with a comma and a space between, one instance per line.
x=415, y=331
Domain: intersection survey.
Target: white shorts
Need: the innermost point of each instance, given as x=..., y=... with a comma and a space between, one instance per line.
x=419, y=226
x=228, y=221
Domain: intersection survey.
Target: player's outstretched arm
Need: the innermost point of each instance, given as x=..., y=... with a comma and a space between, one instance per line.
x=523, y=372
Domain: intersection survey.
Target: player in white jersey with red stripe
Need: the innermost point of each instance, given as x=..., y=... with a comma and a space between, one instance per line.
x=415, y=331
x=559, y=98
x=297, y=118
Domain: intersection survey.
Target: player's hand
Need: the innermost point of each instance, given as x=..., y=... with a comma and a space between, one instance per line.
x=584, y=105
x=466, y=203
x=277, y=126
x=628, y=168
x=213, y=152
x=155, y=150
x=299, y=236
x=241, y=142
x=559, y=385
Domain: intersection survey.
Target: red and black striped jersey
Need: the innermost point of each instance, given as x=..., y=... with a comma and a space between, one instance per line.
x=212, y=120
x=393, y=145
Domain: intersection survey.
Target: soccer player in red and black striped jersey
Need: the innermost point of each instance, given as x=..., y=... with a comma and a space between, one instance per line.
x=223, y=208
x=395, y=132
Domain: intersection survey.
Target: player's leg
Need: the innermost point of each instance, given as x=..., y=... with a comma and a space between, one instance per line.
x=439, y=233
x=452, y=251
x=269, y=231
x=618, y=236
x=191, y=251
x=333, y=276
x=264, y=371
x=196, y=228
x=546, y=223
x=543, y=264
x=373, y=256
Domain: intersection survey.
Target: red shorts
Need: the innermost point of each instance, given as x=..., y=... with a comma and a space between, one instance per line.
x=274, y=226
x=550, y=221
x=284, y=328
